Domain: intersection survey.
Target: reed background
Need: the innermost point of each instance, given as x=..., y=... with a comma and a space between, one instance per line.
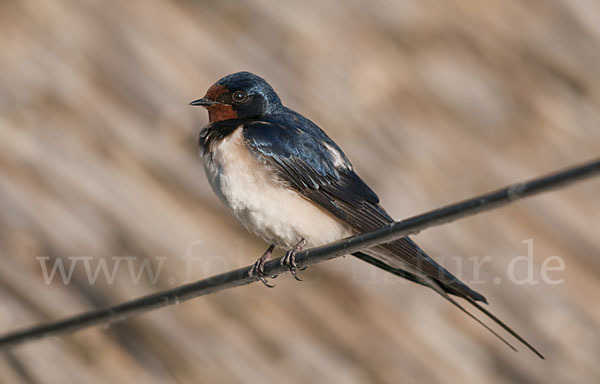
x=433, y=100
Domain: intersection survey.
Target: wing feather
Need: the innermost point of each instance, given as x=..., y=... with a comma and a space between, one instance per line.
x=306, y=162
x=309, y=161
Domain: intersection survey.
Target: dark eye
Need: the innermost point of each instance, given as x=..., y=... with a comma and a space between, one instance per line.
x=239, y=97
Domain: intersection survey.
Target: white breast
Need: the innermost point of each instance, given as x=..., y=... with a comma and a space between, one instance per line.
x=265, y=206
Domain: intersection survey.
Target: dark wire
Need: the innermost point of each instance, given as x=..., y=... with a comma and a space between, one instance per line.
x=316, y=255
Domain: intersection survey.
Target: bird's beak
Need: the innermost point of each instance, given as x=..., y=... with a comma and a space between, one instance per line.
x=203, y=102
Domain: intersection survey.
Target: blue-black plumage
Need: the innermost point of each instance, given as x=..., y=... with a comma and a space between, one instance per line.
x=288, y=182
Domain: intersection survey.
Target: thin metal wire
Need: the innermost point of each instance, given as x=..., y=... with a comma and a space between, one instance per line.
x=312, y=256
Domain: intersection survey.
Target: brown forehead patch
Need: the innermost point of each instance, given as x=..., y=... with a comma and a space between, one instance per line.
x=219, y=112
x=215, y=91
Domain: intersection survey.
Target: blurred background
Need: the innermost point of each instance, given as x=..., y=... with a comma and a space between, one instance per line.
x=433, y=100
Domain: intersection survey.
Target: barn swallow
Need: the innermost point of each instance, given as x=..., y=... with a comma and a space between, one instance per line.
x=290, y=184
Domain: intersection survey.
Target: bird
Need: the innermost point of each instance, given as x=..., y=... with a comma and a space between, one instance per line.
x=286, y=181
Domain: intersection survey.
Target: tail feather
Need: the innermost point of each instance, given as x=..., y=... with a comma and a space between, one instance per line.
x=505, y=327
x=394, y=254
x=443, y=277
x=398, y=272
x=444, y=287
x=433, y=285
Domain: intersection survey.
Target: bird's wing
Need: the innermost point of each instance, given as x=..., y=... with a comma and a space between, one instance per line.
x=310, y=162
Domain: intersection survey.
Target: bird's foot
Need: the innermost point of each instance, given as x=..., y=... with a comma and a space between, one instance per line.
x=289, y=260
x=259, y=267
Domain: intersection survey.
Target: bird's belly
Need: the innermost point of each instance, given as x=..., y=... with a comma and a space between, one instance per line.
x=262, y=203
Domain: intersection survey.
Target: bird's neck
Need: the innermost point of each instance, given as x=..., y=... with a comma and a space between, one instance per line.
x=216, y=131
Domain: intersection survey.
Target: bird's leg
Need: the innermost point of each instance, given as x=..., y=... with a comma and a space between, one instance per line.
x=289, y=260
x=259, y=267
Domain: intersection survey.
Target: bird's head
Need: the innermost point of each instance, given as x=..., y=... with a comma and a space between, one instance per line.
x=241, y=95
